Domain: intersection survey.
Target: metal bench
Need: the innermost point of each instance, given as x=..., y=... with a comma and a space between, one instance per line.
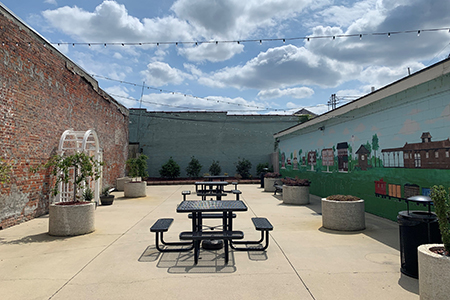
x=185, y=193
x=198, y=236
x=263, y=225
x=278, y=188
x=237, y=193
x=210, y=193
x=161, y=226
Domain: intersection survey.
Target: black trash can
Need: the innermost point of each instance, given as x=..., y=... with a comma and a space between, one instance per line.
x=263, y=173
x=416, y=228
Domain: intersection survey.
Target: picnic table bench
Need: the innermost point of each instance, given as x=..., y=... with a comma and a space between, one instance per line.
x=278, y=188
x=159, y=227
x=261, y=224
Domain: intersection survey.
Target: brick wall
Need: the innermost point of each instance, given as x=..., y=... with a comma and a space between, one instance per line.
x=43, y=93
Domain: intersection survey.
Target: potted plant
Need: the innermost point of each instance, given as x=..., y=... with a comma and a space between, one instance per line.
x=269, y=181
x=296, y=191
x=343, y=212
x=73, y=217
x=434, y=259
x=106, y=198
x=137, y=167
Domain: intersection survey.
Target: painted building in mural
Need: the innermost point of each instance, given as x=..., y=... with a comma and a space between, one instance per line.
x=384, y=147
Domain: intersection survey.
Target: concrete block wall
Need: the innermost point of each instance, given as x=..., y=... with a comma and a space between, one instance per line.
x=43, y=93
x=206, y=135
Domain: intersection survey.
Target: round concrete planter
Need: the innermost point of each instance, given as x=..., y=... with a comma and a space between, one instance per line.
x=434, y=273
x=298, y=195
x=69, y=220
x=343, y=215
x=134, y=189
x=269, y=182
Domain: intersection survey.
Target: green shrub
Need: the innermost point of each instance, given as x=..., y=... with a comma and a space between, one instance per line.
x=243, y=168
x=194, y=168
x=260, y=168
x=170, y=169
x=442, y=207
x=215, y=168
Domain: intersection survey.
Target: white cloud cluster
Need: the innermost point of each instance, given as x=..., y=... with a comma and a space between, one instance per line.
x=160, y=74
x=297, y=93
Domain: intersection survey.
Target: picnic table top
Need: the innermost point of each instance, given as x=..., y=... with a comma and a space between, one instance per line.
x=211, y=206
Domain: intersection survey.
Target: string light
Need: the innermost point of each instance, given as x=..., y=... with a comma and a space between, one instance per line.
x=261, y=40
x=186, y=95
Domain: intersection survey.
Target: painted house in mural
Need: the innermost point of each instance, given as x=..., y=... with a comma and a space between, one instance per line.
x=387, y=145
x=424, y=155
x=363, y=157
x=342, y=156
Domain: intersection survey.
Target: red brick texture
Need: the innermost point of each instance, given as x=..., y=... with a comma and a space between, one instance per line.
x=42, y=93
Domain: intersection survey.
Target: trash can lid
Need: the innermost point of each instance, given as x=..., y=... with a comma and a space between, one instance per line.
x=420, y=199
x=417, y=215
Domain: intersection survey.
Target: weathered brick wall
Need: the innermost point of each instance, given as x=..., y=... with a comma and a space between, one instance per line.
x=42, y=93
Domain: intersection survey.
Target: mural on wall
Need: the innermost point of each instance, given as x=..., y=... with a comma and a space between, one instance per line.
x=395, y=148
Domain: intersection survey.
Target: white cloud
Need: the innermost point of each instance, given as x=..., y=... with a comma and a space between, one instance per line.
x=121, y=94
x=298, y=93
x=111, y=21
x=53, y=2
x=211, y=52
x=281, y=67
x=160, y=74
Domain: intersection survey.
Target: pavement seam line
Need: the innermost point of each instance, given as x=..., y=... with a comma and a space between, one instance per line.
x=98, y=254
x=284, y=254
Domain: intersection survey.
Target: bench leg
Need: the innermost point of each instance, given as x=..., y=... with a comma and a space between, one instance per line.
x=264, y=236
x=157, y=238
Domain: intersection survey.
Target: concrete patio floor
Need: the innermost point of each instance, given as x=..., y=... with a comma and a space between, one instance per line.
x=119, y=259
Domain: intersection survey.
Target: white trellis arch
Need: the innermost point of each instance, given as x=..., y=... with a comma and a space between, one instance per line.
x=79, y=141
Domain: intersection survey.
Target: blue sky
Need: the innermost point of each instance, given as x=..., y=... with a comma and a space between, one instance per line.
x=249, y=77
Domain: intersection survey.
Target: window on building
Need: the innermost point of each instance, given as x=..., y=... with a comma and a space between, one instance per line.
x=447, y=154
x=362, y=157
x=417, y=162
x=426, y=155
x=436, y=154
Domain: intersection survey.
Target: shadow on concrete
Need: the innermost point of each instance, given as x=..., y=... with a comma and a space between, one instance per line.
x=183, y=262
x=36, y=238
x=408, y=283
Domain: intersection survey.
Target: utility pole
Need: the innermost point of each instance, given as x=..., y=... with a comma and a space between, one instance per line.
x=332, y=102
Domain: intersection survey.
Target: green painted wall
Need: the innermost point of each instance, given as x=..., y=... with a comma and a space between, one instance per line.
x=388, y=123
x=206, y=135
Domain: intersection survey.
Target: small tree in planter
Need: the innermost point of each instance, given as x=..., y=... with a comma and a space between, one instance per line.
x=74, y=217
x=343, y=212
x=270, y=179
x=137, y=167
x=170, y=169
x=215, y=168
x=434, y=259
x=194, y=168
x=296, y=191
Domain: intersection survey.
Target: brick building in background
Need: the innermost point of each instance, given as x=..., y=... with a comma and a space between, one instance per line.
x=43, y=93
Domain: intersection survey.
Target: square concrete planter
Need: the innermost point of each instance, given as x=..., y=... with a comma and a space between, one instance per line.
x=69, y=220
x=343, y=215
x=434, y=273
x=134, y=189
x=297, y=195
x=269, y=182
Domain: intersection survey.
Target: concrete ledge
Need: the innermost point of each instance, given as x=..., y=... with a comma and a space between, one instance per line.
x=134, y=189
x=434, y=273
x=69, y=220
x=298, y=195
x=343, y=215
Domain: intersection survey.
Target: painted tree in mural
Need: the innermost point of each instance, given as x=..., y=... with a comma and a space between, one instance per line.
x=375, y=146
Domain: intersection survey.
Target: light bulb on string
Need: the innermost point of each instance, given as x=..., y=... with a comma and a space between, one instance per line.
x=260, y=42
x=389, y=34
x=418, y=33
x=360, y=37
x=284, y=41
